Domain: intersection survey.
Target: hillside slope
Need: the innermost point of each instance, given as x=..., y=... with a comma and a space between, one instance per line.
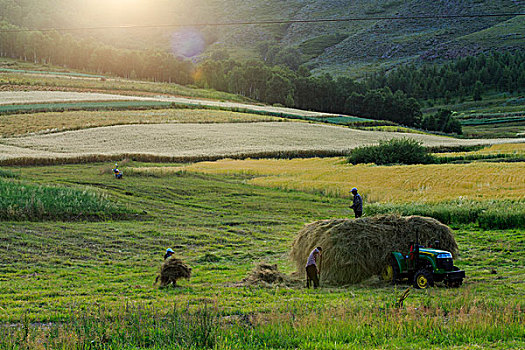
x=322, y=46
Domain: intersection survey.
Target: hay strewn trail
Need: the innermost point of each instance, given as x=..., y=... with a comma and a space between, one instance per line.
x=354, y=250
x=190, y=140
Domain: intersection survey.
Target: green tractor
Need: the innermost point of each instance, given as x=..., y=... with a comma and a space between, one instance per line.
x=423, y=266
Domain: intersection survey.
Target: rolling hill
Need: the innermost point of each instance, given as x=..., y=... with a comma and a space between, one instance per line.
x=324, y=47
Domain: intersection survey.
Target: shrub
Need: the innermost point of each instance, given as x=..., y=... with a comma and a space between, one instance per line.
x=394, y=151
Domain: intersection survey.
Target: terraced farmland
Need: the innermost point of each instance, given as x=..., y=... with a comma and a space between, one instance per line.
x=208, y=140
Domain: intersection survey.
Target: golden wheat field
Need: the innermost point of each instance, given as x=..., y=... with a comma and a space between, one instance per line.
x=395, y=184
x=220, y=139
x=19, y=124
x=503, y=148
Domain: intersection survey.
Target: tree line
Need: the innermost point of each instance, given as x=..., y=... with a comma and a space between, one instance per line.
x=54, y=48
x=465, y=77
x=299, y=89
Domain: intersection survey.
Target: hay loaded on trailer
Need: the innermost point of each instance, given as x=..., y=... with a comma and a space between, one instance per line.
x=423, y=266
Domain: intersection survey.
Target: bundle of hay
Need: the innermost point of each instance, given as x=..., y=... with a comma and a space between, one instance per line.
x=266, y=275
x=171, y=270
x=354, y=250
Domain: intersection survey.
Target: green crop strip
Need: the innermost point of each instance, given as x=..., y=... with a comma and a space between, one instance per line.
x=20, y=201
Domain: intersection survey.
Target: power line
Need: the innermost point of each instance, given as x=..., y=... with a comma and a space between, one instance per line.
x=268, y=22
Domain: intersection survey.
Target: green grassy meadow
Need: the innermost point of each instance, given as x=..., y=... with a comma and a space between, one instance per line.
x=89, y=284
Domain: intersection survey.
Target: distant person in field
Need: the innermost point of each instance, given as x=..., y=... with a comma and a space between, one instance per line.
x=117, y=172
x=169, y=252
x=358, y=204
x=312, y=268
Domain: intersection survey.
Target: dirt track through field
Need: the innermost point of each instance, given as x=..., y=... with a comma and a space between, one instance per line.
x=191, y=140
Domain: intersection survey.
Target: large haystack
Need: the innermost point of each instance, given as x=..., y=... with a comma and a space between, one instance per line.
x=354, y=250
x=171, y=270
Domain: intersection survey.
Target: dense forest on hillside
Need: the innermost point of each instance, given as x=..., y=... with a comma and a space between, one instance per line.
x=464, y=77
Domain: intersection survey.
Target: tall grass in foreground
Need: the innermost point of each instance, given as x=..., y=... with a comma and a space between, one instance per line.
x=491, y=214
x=138, y=327
x=20, y=201
x=7, y=174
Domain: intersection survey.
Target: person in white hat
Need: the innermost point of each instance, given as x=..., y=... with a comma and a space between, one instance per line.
x=169, y=252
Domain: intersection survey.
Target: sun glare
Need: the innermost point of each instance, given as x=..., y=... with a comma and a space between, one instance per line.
x=120, y=11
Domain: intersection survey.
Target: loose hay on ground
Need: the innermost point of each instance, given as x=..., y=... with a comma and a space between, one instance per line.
x=354, y=250
x=171, y=270
x=267, y=275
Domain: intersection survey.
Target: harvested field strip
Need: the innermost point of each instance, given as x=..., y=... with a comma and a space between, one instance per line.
x=23, y=98
x=391, y=128
x=504, y=148
x=13, y=125
x=26, y=97
x=69, y=74
x=492, y=121
x=54, y=159
x=463, y=116
x=207, y=140
x=77, y=106
x=15, y=80
x=392, y=184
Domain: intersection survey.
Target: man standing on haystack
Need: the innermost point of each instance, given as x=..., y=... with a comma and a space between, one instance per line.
x=312, y=269
x=358, y=204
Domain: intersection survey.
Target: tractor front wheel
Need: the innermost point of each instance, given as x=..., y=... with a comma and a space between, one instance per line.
x=423, y=279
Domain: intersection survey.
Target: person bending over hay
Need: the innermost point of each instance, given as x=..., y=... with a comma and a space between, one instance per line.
x=354, y=250
x=171, y=270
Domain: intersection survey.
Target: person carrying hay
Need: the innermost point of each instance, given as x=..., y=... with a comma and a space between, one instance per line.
x=358, y=204
x=172, y=269
x=312, y=269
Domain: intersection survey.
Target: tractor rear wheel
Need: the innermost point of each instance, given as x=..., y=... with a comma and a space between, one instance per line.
x=423, y=279
x=390, y=272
